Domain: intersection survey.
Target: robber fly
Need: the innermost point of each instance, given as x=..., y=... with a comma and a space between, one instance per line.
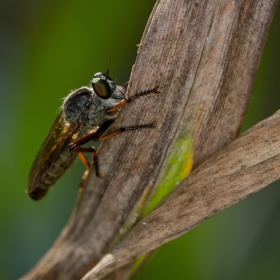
x=85, y=115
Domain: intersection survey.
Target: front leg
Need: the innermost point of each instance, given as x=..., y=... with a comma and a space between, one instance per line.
x=125, y=86
x=128, y=100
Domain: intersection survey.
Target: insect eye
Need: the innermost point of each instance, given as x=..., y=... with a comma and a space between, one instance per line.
x=101, y=87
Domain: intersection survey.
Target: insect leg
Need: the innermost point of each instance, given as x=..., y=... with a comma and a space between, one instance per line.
x=97, y=136
x=82, y=157
x=123, y=129
x=91, y=150
x=75, y=146
x=125, y=86
x=128, y=100
x=91, y=136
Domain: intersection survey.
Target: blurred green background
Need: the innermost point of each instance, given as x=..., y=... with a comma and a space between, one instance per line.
x=48, y=48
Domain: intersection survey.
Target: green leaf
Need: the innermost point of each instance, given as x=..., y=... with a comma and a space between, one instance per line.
x=178, y=168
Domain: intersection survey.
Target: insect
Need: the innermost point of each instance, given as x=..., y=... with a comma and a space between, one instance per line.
x=85, y=115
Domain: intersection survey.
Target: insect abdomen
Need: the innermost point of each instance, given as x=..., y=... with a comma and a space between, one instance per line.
x=54, y=172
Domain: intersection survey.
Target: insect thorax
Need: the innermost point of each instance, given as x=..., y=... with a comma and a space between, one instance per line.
x=85, y=108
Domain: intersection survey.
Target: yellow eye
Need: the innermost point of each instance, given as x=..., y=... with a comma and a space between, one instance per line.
x=101, y=88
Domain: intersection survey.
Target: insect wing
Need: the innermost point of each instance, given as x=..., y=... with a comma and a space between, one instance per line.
x=58, y=138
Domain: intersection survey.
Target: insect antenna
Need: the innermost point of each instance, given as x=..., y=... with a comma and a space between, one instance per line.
x=108, y=71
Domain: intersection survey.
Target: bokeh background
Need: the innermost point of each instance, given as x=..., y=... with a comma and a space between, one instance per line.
x=48, y=48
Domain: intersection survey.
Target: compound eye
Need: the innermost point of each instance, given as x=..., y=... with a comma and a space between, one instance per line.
x=101, y=87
